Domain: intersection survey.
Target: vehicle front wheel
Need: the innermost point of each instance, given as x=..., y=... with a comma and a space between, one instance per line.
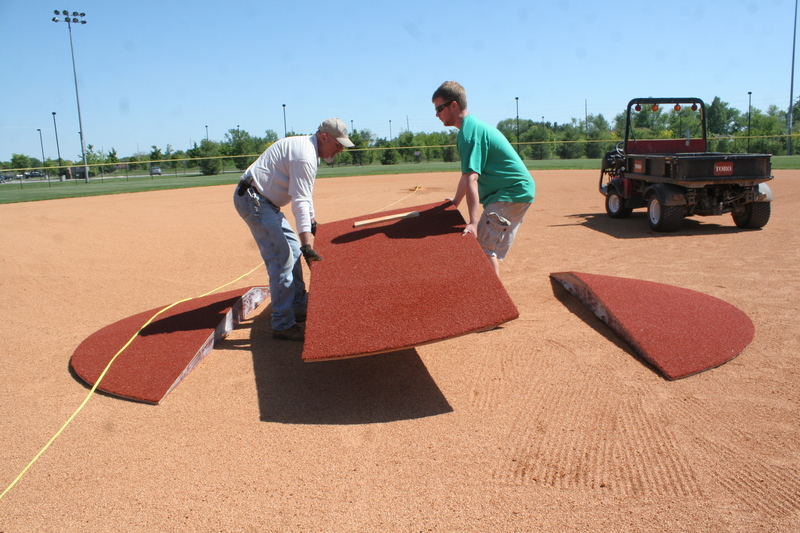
x=756, y=215
x=615, y=205
x=663, y=217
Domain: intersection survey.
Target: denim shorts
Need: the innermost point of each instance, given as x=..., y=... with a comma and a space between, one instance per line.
x=498, y=226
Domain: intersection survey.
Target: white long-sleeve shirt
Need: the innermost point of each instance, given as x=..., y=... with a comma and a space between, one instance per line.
x=285, y=173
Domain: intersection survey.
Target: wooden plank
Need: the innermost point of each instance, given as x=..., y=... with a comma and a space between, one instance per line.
x=386, y=218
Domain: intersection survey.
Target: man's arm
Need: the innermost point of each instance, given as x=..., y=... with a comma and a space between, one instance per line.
x=306, y=239
x=468, y=187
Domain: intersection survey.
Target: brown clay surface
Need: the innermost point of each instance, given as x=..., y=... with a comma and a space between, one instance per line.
x=549, y=423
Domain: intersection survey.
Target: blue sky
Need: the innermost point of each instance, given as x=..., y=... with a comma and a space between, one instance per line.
x=158, y=73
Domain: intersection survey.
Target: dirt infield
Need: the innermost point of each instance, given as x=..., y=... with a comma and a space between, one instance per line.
x=550, y=423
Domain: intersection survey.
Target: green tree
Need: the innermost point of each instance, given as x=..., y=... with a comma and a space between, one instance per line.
x=208, y=157
x=508, y=127
x=597, y=131
x=544, y=135
x=405, y=141
x=111, y=162
x=167, y=157
x=387, y=154
x=95, y=160
x=239, y=143
x=156, y=156
x=649, y=124
x=358, y=152
x=571, y=148
x=262, y=143
x=450, y=151
x=721, y=119
x=20, y=161
x=679, y=122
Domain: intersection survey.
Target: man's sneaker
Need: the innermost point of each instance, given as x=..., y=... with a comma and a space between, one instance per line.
x=294, y=333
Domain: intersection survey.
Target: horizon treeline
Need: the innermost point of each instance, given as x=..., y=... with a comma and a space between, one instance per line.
x=729, y=130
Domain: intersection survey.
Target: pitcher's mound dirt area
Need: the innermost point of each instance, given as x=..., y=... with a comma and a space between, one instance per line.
x=549, y=423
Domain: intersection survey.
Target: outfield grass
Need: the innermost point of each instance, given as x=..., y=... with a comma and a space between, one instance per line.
x=30, y=191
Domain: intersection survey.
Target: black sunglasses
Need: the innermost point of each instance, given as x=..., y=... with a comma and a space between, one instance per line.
x=439, y=108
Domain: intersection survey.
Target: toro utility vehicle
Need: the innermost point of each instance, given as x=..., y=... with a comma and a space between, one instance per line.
x=676, y=178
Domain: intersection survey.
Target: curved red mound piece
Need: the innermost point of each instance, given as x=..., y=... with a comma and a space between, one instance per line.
x=679, y=331
x=165, y=351
x=399, y=283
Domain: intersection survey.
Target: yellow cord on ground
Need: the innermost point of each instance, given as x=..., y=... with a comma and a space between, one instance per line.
x=103, y=373
x=416, y=188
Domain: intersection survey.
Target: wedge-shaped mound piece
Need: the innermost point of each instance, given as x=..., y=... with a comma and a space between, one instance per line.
x=166, y=350
x=679, y=331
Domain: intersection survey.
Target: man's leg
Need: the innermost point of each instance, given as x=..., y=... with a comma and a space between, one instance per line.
x=300, y=296
x=266, y=224
x=497, y=228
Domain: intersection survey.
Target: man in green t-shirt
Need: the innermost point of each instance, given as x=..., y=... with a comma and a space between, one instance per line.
x=492, y=175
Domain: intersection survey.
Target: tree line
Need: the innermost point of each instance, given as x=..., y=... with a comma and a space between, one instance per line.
x=729, y=130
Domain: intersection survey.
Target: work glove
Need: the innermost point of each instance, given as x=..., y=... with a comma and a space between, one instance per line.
x=309, y=254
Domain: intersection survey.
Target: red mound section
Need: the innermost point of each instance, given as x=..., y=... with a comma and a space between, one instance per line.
x=166, y=350
x=679, y=331
x=399, y=284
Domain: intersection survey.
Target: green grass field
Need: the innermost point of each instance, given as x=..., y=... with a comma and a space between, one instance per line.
x=30, y=191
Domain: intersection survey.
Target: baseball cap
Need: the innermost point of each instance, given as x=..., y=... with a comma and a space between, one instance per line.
x=337, y=129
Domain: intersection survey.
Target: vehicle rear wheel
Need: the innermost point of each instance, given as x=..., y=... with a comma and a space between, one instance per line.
x=663, y=217
x=756, y=215
x=615, y=205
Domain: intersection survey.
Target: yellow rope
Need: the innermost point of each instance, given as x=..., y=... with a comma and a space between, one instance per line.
x=103, y=373
x=416, y=188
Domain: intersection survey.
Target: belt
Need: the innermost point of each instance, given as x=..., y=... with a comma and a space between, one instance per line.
x=247, y=185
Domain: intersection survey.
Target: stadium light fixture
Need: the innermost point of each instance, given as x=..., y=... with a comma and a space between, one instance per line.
x=77, y=18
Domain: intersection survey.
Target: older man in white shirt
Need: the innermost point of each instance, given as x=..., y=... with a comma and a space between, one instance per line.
x=284, y=174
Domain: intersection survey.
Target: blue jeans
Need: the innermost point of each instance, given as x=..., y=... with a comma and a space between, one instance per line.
x=280, y=249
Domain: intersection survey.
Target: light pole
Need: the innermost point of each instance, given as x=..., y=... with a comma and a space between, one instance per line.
x=517, y=99
x=791, y=85
x=77, y=18
x=390, y=131
x=206, y=132
x=284, y=121
x=541, y=146
x=41, y=143
x=58, y=148
x=749, y=114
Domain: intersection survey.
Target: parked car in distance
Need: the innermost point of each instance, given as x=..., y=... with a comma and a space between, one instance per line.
x=34, y=174
x=155, y=171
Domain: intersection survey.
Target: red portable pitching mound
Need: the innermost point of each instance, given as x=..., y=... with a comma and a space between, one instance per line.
x=679, y=331
x=165, y=351
x=399, y=283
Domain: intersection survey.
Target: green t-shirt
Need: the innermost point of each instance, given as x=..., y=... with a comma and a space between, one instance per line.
x=502, y=174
